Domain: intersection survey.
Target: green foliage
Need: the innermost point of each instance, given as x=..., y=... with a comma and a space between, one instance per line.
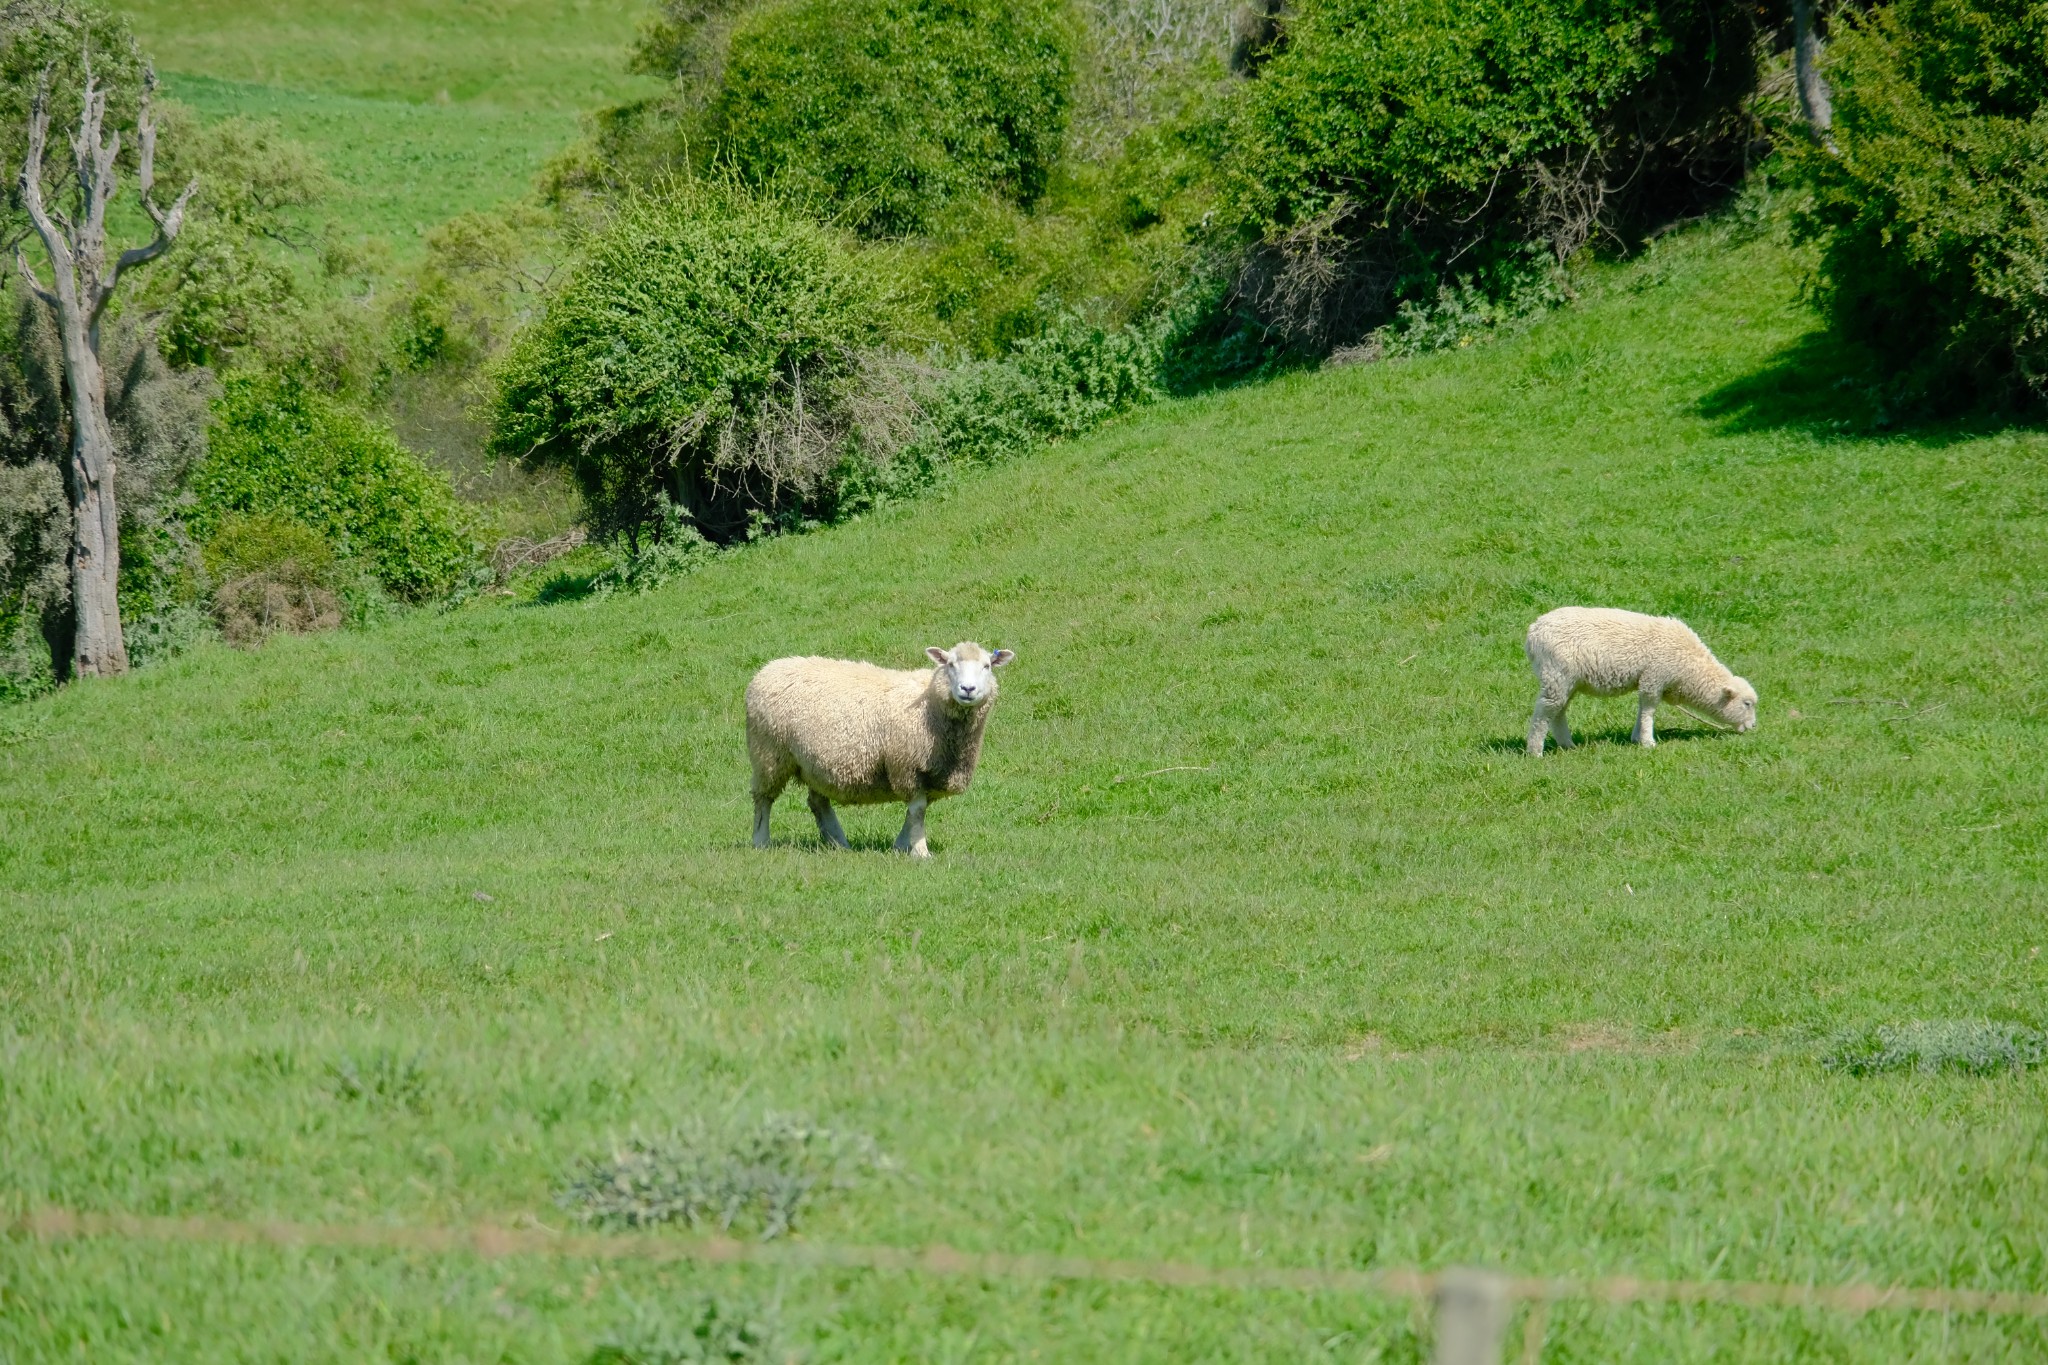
x=227, y=282
x=244, y=543
x=697, y=352
x=672, y=548
x=889, y=109
x=1978, y=1047
x=56, y=36
x=1069, y=379
x=1386, y=140
x=1468, y=309
x=282, y=450
x=1931, y=203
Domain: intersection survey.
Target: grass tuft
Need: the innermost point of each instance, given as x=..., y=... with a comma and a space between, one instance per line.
x=383, y=1078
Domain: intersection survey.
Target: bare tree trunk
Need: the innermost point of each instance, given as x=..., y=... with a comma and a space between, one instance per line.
x=98, y=648
x=82, y=284
x=1813, y=89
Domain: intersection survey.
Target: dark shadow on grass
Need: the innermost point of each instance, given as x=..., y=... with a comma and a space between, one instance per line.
x=809, y=842
x=566, y=587
x=1827, y=386
x=1621, y=735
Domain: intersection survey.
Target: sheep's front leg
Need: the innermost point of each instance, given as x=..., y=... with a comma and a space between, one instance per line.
x=762, y=805
x=828, y=821
x=911, y=840
x=1646, y=720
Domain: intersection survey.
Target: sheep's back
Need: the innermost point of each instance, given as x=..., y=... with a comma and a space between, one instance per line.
x=1607, y=650
x=837, y=718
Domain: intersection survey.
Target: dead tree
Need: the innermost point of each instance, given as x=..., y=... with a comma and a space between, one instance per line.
x=83, y=283
x=1813, y=87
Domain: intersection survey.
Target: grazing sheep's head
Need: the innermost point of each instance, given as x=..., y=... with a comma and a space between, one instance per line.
x=1738, y=705
x=967, y=672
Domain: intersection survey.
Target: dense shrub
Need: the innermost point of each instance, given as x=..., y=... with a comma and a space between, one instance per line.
x=1387, y=142
x=890, y=108
x=283, y=450
x=1931, y=200
x=699, y=353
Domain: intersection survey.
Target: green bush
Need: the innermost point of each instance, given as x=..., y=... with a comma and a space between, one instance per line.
x=1931, y=202
x=1386, y=141
x=281, y=450
x=888, y=109
x=698, y=353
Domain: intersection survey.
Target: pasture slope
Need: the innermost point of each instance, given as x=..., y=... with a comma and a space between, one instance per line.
x=1257, y=941
x=421, y=109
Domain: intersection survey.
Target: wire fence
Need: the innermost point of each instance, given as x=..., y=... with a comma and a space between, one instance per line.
x=1472, y=1306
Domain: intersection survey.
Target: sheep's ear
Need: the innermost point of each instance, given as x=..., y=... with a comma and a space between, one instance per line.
x=937, y=655
x=1001, y=657
x=1727, y=695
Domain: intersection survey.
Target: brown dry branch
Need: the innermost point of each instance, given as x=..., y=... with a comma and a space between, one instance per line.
x=518, y=553
x=279, y=599
x=1567, y=193
x=1313, y=286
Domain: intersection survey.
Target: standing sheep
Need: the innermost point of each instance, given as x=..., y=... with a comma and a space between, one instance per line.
x=1607, y=653
x=862, y=735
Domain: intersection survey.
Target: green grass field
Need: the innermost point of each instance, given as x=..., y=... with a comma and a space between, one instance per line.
x=1356, y=984
x=422, y=109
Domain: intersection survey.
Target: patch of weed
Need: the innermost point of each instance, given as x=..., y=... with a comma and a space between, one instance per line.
x=760, y=1175
x=707, y=1330
x=1980, y=1047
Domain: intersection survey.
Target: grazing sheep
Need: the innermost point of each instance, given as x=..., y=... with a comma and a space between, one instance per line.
x=1608, y=652
x=863, y=735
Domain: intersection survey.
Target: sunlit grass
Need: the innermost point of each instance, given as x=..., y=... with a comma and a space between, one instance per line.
x=1354, y=983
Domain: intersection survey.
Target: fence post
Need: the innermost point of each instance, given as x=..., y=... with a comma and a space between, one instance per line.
x=1471, y=1317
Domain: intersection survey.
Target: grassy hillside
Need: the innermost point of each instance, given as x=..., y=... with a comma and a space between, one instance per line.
x=1257, y=941
x=423, y=109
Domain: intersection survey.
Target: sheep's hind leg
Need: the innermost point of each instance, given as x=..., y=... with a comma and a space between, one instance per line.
x=828, y=821
x=764, y=801
x=1549, y=717
x=911, y=840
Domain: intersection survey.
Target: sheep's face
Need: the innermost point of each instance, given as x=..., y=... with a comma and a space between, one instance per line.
x=968, y=672
x=1738, y=706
